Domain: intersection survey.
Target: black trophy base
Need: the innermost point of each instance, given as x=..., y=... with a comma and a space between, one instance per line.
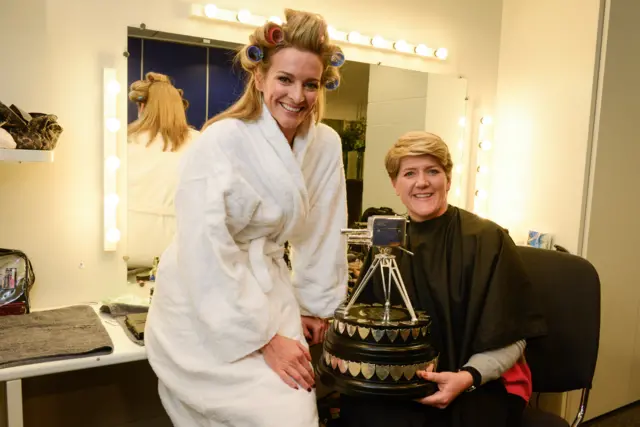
x=361, y=387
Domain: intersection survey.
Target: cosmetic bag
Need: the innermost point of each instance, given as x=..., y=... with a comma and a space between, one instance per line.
x=16, y=281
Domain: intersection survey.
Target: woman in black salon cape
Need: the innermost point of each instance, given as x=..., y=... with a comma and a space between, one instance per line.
x=467, y=275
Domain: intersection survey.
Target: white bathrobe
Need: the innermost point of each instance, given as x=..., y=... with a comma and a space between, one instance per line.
x=152, y=179
x=223, y=289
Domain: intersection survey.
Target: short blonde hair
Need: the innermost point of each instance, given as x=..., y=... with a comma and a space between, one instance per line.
x=418, y=143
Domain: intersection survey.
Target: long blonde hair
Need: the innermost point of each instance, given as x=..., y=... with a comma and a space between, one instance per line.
x=163, y=112
x=304, y=31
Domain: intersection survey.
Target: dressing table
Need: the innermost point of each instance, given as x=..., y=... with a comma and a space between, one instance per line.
x=124, y=351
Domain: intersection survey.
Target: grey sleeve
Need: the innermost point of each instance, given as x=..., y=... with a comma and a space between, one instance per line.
x=492, y=364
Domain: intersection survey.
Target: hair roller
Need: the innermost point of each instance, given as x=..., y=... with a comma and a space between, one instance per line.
x=274, y=34
x=337, y=59
x=332, y=84
x=254, y=53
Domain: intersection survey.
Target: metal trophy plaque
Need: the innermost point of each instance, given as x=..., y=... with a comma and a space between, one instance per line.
x=376, y=349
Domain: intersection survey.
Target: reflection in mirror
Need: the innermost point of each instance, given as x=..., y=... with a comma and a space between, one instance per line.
x=157, y=138
x=371, y=108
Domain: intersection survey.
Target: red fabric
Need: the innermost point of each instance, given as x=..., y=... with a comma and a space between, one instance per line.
x=517, y=380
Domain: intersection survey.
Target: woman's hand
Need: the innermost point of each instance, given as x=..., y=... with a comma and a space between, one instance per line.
x=291, y=361
x=450, y=385
x=314, y=329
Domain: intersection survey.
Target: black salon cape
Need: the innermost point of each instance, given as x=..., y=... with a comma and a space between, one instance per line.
x=467, y=275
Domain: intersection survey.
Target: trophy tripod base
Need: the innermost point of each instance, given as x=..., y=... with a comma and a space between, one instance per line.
x=365, y=388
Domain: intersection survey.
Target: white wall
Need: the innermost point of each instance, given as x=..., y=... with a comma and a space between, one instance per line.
x=544, y=112
x=547, y=175
x=612, y=233
x=53, y=55
x=544, y=105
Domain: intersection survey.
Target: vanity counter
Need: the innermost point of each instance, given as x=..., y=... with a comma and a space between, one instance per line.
x=124, y=350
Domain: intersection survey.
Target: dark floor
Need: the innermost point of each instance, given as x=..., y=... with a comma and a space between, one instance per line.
x=629, y=416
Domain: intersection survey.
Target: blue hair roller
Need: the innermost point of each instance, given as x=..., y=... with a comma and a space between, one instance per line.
x=332, y=84
x=337, y=59
x=255, y=53
x=141, y=98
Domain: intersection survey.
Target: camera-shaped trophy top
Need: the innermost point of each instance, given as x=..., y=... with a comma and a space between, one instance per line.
x=385, y=233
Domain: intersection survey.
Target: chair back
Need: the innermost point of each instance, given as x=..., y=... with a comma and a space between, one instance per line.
x=568, y=288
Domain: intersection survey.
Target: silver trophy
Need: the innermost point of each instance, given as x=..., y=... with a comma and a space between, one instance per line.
x=375, y=349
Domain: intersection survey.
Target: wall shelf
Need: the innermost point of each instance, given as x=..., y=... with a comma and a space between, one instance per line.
x=24, y=156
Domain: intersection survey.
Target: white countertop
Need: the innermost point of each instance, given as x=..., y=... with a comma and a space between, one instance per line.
x=124, y=350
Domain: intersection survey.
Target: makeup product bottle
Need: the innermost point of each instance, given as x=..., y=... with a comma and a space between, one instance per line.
x=154, y=269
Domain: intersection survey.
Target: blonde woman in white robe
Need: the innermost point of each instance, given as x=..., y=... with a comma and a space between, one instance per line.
x=226, y=330
x=157, y=141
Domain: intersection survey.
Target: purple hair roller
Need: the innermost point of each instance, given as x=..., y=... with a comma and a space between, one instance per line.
x=332, y=84
x=337, y=59
x=255, y=53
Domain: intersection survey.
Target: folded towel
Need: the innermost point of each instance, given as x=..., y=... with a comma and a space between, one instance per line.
x=41, y=336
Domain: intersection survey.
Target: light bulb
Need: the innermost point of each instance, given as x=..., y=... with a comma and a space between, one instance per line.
x=401, y=46
x=111, y=200
x=244, y=16
x=423, y=50
x=210, y=10
x=485, y=145
x=486, y=120
x=113, y=87
x=354, y=37
x=333, y=33
x=483, y=169
x=378, y=42
x=442, y=53
x=275, y=20
x=481, y=194
x=112, y=124
x=112, y=163
x=113, y=235
x=462, y=122
x=459, y=169
x=458, y=192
